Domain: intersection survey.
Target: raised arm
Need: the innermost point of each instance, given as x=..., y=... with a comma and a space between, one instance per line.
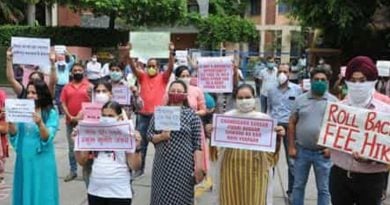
x=16, y=86
x=171, y=62
x=53, y=74
x=134, y=68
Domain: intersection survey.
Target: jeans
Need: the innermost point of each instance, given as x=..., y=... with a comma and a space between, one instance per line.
x=263, y=103
x=304, y=159
x=290, y=161
x=143, y=124
x=57, y=95
x=72, y=159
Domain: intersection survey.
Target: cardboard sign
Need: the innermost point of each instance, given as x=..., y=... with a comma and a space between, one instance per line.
x=19, y=110
x=121, y=94
x=105, y=136
x=350, y=129
x=215, y=74
x=60, y=49
x=150, y=44
x=306, y=84
x=181, y=56
x=30, y=51
x=383, y=68
x=91, y=111
x=244, y=133
x=167, y=118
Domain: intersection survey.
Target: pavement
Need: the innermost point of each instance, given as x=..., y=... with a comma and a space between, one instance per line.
x=74, y=192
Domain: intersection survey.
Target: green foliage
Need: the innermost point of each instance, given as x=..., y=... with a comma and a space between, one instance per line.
x=228, y=7
x=70, y=36
x=10, y=13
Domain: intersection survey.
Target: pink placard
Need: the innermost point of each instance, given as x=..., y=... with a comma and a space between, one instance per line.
x=91, y=112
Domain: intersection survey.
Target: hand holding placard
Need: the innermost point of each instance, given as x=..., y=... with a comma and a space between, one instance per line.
x=19, y=110
x=167, y=118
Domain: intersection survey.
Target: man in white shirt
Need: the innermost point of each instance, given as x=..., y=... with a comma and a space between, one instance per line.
x=267, y=80
x=94, y=70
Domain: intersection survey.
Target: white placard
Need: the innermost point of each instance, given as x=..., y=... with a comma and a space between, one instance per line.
x=215, y=74
x=121, y=94
x=31, y=51
x=19, y=110
x=306, y=84
x=105, y=136
x=181, y=56
x=60, y=49
x=150, y=44
x=244, y=133
x=167, y=118
x=351, y=129
x=383, y=68
x=342, y=71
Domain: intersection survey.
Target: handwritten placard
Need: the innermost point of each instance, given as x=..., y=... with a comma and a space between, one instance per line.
x=167, y=118
x=60, y=49
x=19, y=110
x=30, y=51
x=244, y=133
x=351, y=129
x=105, y=136
x=181, y=56
x=91, y=111
x=215, y=74
x=121, y=94
x=383, y=68
x=150, y=44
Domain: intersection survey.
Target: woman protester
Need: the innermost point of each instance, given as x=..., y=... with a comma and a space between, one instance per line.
x=245, y=170
x=3, y=137
x=109, y=182
x=177, y=164
x=35, y=178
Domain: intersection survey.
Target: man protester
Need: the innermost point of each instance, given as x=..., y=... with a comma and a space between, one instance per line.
x=280, y=100
x=63, y=71
x=353, y=179
x=153, y=84
x=303, y=131
x=94, y=70
x=73, y=95
x=267, y=80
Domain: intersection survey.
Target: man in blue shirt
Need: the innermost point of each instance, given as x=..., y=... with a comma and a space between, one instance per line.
x=280, y=101
x=63, y=72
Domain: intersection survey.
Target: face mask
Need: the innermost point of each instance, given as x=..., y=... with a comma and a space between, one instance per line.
x=246, y=105
x=177, y=97
x=282, y=78
x=359, y=94
x=78, y=76
x=152, y=71
x=186, y=80
x=61, y=62
x=102, y=98
x=319, y=87
x=94, y=59
x=270, y=65
x=107, y=119
x=116, y=76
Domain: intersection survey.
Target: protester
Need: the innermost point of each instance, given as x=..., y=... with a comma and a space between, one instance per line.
x=267, y=80
x=177, y=164
x=35, y=176
x=244, y=173
x=152, y=91
x=353, y=179
x=280, y=101
x=18, y=88
x=303, y=132
x=63, y=70
x=73, y=95
x=94, y=70
x=109, y=182
x=3, y=138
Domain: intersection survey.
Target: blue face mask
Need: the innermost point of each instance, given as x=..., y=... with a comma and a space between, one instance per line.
x=270, y=65
x=116, y=76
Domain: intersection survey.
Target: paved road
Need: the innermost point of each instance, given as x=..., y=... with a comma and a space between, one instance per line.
x=74, y=193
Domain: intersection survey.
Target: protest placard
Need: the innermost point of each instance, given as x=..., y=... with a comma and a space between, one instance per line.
x=60, y=49
x=215, y=74
x=30, y=51
x=150, y=44
x=91, y=111
x=121, y=94
x=105, y=136
x=167, y=118
x=181, y=56
x=306, y=84
x=383, y=68
x=244, y=133
x=19, y=110
x=342, y=71
x=351, y=129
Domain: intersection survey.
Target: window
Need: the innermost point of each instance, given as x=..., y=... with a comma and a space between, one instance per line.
x=255, y=7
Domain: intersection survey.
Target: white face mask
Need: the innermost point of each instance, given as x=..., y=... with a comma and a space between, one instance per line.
x=107, y=119
x=246, y=105
x=360, y=94
x=282, y=78
x=94, y=59
x=61, y=62
x=185, y=80
x=102, y=98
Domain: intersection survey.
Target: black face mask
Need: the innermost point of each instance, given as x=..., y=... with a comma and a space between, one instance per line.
x=78, y=76
x=61, y=68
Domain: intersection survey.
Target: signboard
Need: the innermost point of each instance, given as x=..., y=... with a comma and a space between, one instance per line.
x=121, y=94
x=19, y=110
x=383, y=68
x=150, y=44
x=215, y=74
x=105, y=136
x=167, y=118
x=31, y=51
x=60, y=49
x=350, y=129
x=244, y=133
x=91, y=111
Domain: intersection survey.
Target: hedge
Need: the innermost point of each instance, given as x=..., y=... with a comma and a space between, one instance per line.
x=70, y=36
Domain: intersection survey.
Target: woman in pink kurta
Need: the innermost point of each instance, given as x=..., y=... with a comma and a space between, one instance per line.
x=3, y=137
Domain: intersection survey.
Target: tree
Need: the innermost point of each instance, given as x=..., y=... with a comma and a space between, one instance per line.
x=10, y=13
